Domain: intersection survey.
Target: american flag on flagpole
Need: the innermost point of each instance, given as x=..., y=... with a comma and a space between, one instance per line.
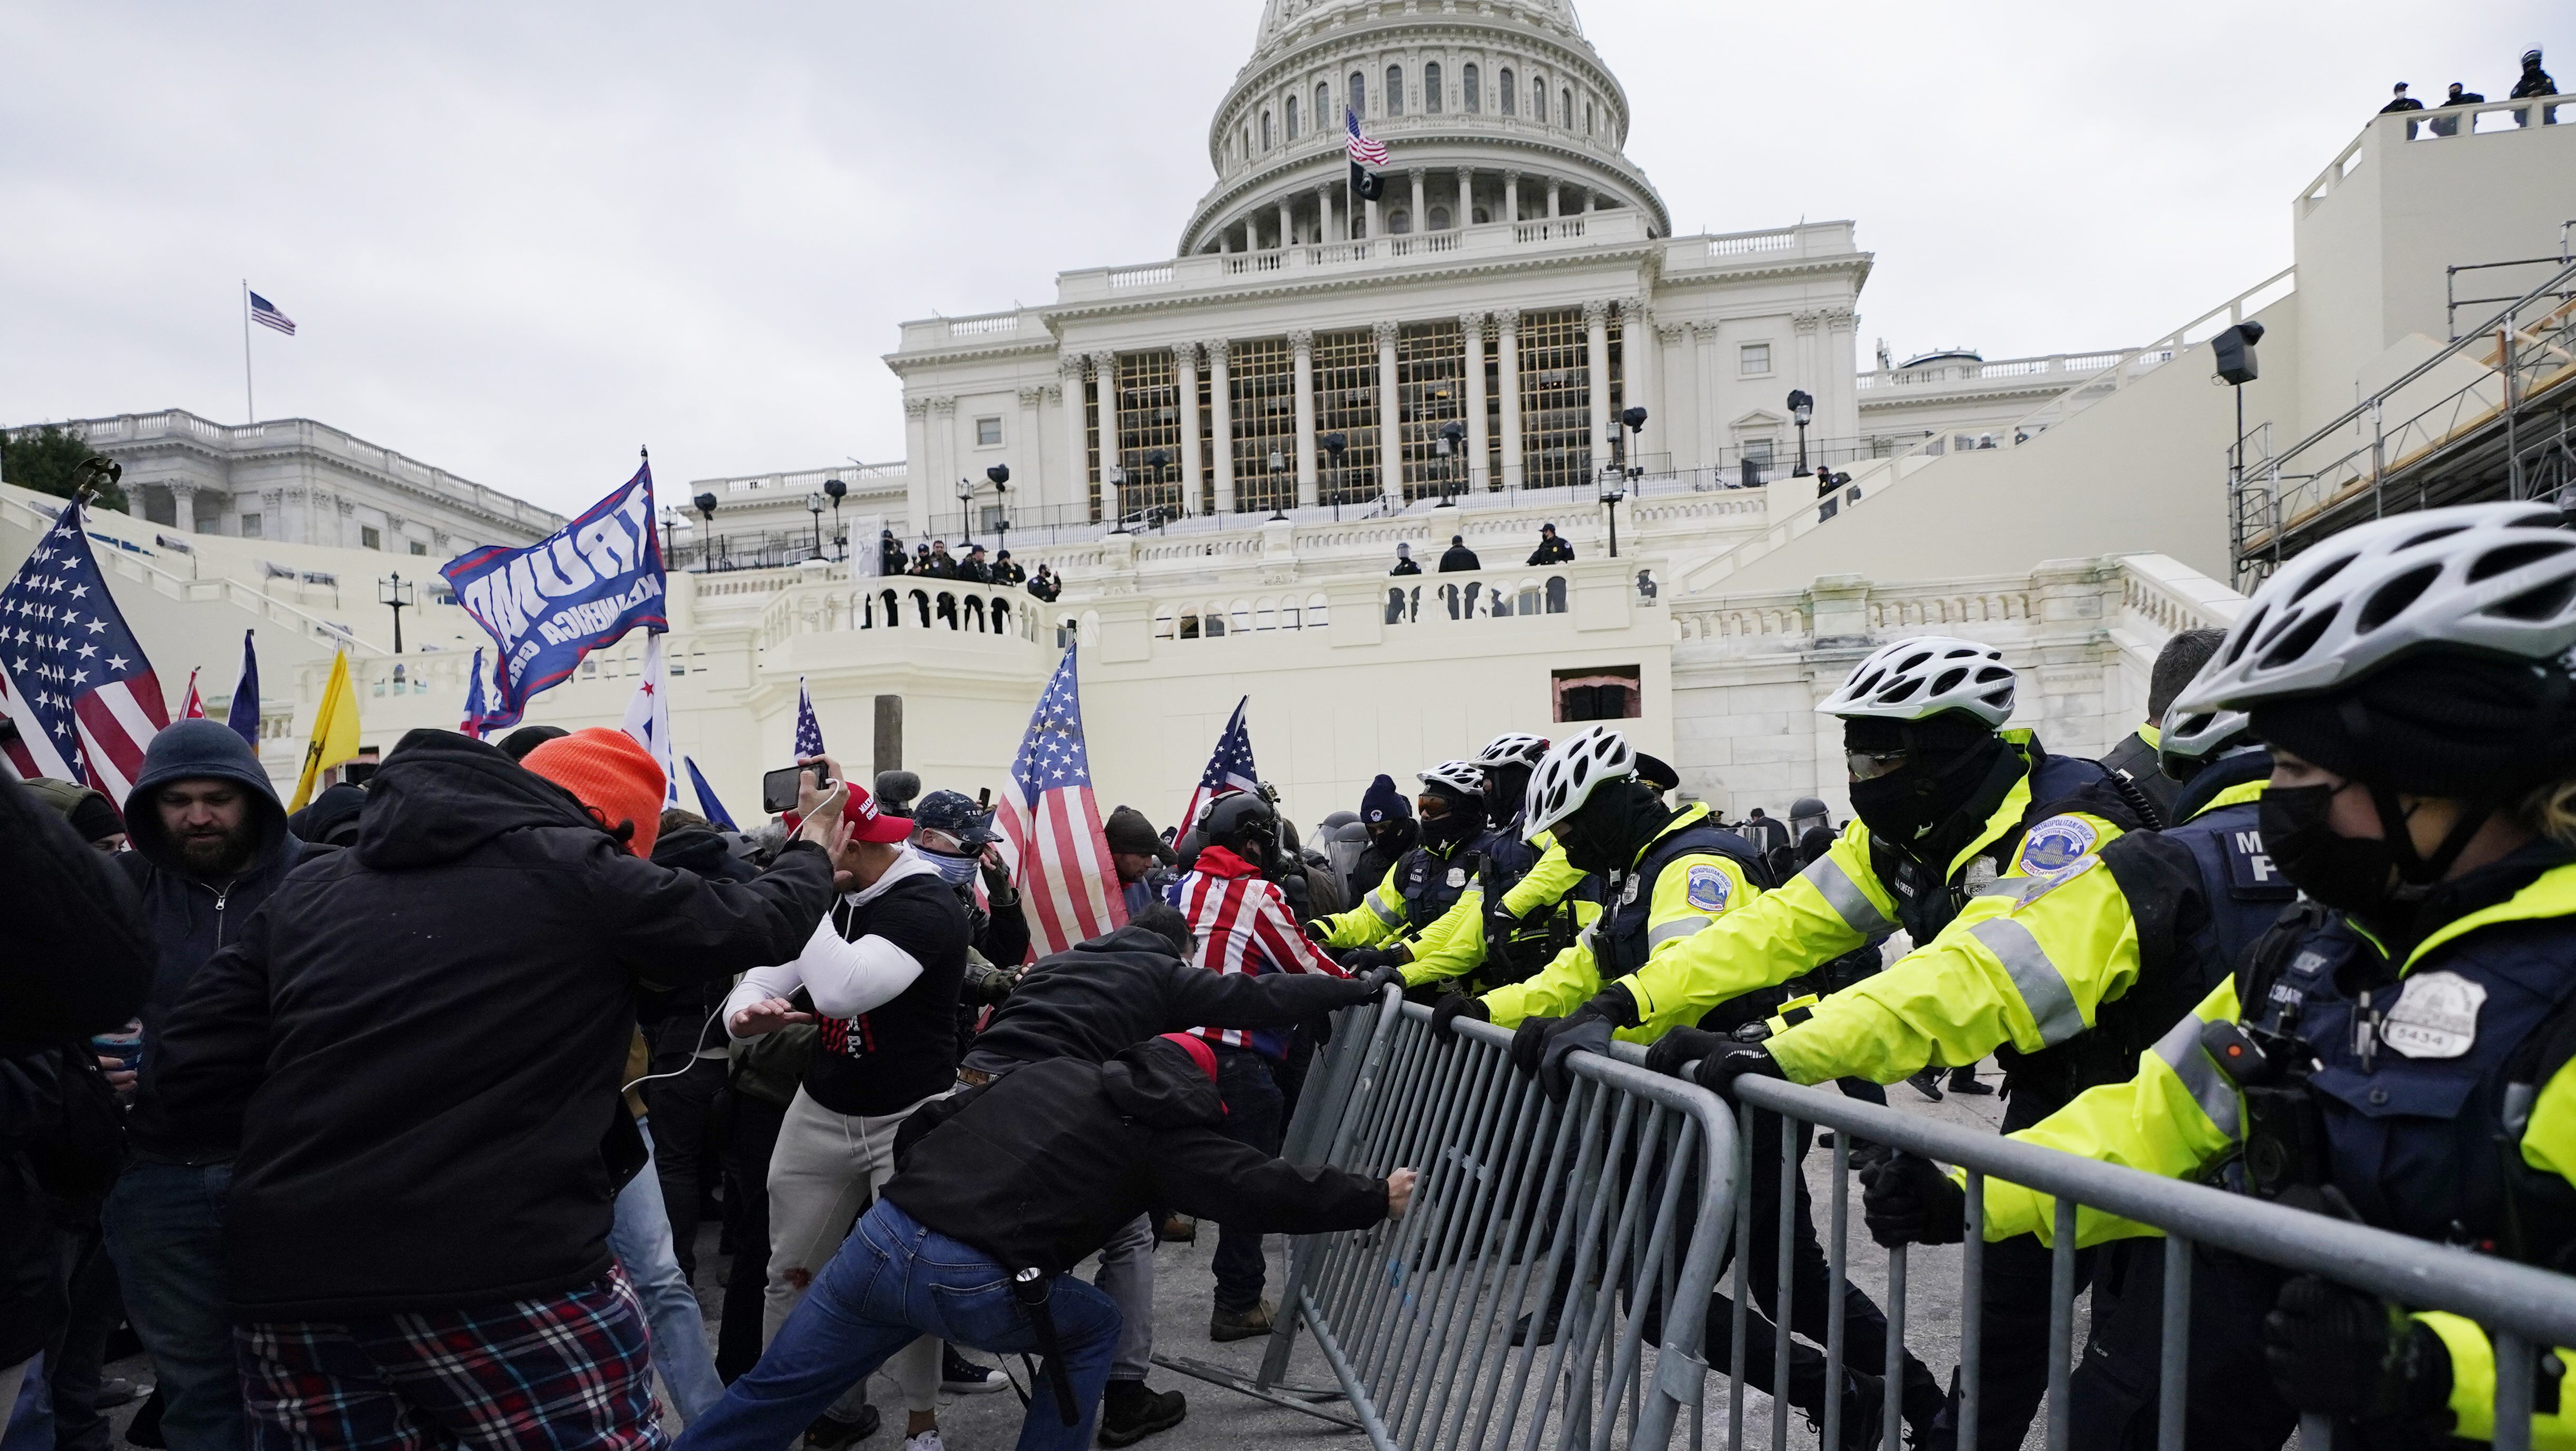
x=809, y=732
x=1053, y=825
x=1363, y=150
x=265, y=313
x=475, y=705
x=72, y=676
x=1229, y=770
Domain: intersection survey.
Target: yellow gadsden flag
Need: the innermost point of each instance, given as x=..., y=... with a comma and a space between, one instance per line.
x=335, y=730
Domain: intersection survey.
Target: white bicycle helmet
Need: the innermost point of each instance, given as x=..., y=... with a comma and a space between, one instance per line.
x=1460, y=776
x=2493, y=578
x=1513, y=748
x=1922, y=677
x=2192, y=740
x=1571, y=771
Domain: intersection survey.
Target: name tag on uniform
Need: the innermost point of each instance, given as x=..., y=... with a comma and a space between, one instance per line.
x=1457, y=876
x=2436, y=1016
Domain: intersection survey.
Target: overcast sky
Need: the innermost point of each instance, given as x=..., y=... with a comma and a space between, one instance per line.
x=522, y=239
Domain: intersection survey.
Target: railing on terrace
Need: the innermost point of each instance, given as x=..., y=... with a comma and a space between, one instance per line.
x=938, y=606
x=2524, y=351
x=1215, y=269
x=862, y=479
x=1964, y=374
x=2132, y=364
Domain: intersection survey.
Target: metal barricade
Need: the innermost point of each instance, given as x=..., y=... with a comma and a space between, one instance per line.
x=2522, y=1309
x=1550, y=1283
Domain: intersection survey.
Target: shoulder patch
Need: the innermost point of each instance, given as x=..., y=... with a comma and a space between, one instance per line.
x=1708, y=888
x=2031, y=888
x=2058, y=842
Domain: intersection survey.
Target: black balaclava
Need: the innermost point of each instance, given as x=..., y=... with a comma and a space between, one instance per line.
x=1956, y=759
x=1506, y=788
x=1608, y=831
x=1464, y=819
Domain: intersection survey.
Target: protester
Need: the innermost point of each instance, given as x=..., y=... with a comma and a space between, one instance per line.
x=418, y=1046
x=1551, y=549
x=884, y=968
x=942, y=565
x=210, y=847
x=518, y=743
x=331, y=818
x=688, y=1050
x=639, y=1235
x=1404, y=560
x=761, y=1083
x=1142, y=858
x=88, y=812
x=1458, y=556
x=973, y=568
x=1030, y=1175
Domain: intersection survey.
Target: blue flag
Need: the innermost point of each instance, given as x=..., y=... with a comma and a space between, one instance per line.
x=243, y=716
x=474, y=704
x=708, y=806
x=548, y=605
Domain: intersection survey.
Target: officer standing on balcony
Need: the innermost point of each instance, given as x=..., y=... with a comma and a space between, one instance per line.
x=2400, y=1049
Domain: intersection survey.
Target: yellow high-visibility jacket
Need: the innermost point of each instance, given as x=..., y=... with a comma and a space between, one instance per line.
x=1455, y=946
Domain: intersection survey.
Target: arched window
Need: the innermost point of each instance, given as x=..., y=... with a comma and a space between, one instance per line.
x=1587, y=119
x=1395, y=90
x=1538, y=100
x=1475, y=95
x=1509, y=91
x=1565, y=109
x=1265, y=130
x=1292, y=118
x=1399, y=222
x=1359, y=94
x=1431, y=89
x=1440, y=219
x=1323, y=107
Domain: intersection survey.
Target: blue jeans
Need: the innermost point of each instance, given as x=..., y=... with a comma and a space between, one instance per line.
x=640, y=1237
x=164, y=1227
x=891, y=1282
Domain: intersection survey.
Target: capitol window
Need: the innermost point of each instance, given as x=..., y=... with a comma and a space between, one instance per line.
x=250, y=526
x=1431, y=89
x=1292, y=118
x=1359, y=94
x=419, y=548
x=1565, y=108
x=1323, y=103
x=988, y=432
x=1509, y=92
x=369, y=537
x=1475, y=96
x=1395, y=90
x=1753, y=359
x=1538, y=100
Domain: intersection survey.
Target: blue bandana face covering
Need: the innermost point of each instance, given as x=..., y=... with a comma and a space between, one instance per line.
x=956, y=871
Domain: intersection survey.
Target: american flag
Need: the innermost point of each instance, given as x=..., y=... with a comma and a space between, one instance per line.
x=1244, y=927
x=1054, y=826
x=809, y=732
x=265, y=313
x=1229, y=770
x=72, y=676
x=475, y=705
x=1363, y=150
x=192, y=706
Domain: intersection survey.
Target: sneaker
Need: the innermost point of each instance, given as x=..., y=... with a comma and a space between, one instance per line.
x=926, y=1441
x=116, y=1391
x=1227, y=1325
x=1177, y=1229
x=1964, y=1080
x=829, y=1431
x=962, y=1377
x=1129, y=1412
x=1927, y=1083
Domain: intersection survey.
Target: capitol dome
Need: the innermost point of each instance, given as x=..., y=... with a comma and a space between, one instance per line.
x=1491, y=110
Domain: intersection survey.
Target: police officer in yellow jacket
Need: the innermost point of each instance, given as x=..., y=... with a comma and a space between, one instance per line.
x=1524, y=902
x=2398, y=1050
x=1958, y=821
x=1400, y=913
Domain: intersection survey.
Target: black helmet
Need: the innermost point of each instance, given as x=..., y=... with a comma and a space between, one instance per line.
x=956, y=813
x=1232, y=821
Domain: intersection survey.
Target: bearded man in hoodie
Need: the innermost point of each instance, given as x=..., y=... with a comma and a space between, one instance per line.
x=418, y=1045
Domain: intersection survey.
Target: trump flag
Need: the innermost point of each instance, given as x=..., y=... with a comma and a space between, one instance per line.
x=551, y=603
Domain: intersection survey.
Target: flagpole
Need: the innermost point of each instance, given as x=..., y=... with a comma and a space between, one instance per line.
x=249, y=404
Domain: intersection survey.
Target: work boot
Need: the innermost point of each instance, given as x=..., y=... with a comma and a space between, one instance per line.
x=1177, y=1229
x=1864, y=1398
x=962, y=1377
x=1927, y=1083
x=1964, y=1080
x=1545, y=1334
x=1227, y=1324
x=829, y=1431
x=1129, y=1412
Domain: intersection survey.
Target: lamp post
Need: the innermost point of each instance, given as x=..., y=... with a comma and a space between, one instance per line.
x=1000, y=475
x=1635, y=419
x=706, y=548
x=1802, y=407
x=1116, y=478
x=1334, y=444
x=966, y=508
x=1447, y=446
x=838, y=491
x=814, y=506
x=1278, y=501
x=670, y=521
x=393, y=592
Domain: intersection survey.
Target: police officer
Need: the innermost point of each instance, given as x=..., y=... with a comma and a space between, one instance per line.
x=2398, y=1049
x=1398, y=913
x=1956, y=817
x=2135, y=759
x=1667, y=877
x=1524, y=901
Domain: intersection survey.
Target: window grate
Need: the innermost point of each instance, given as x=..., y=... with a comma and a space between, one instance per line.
x=1261, y=386
x=1556, y=401
x=1346, y=403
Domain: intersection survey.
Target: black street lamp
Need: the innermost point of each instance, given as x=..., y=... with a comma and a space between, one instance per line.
x=1802, y=407
x=1635, y=419
x=1116, y=478
x=393, y=592
x=1157, y=460
x=1000, y=475
x=1278, y=500
x=838, y=491
x=1448, y=447
x=707, y=546
x=814, y=506
x=1334, y=444
x=966, y=508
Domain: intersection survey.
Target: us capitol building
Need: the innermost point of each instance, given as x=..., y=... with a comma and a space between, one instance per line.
x=1220, y=450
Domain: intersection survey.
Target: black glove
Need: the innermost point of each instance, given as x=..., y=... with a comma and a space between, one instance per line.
x=1379, y=978
x=1527, y=1040
x=1908, y=1200
x=1453, y=1006
x=1588, y=1030
x=1360, y=960
x=1315, y=929
x=1718, y=1071
x=1677, y=1053
x=987, y=985
x=2342, y=1353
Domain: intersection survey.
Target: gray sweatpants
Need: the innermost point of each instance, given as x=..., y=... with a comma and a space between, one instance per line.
x=1126, y=1275
x=826, y=1168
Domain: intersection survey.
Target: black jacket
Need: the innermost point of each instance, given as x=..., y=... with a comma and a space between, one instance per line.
x=675, y=1018
x=1552, y=551
x=1405, y=566
x=2137, y=763
x=1106, y=995
x=422, y=1039
x=1041, y=1167
x=191, y=918
x=2534, y=82
x=1458, y=557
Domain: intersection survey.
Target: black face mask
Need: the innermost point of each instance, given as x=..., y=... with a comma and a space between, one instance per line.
x=1606, y=835
x=2344, y=872
x=1455, y=825
x=1918, y=797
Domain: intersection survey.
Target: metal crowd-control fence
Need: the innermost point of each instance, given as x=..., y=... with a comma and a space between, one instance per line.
x=2522, y=1309
x=1549, y=1284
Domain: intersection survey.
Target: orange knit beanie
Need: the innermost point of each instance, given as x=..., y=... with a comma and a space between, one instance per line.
x=612, y=774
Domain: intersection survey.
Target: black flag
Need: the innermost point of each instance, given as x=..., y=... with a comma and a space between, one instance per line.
x=1367, y=185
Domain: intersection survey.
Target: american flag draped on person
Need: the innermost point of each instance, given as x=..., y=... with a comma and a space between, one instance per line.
x=1230, y=769
x=1054, y=826
x=72, y=677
